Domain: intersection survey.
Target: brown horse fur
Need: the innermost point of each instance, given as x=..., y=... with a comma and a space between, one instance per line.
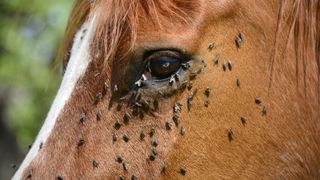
x=278, y=62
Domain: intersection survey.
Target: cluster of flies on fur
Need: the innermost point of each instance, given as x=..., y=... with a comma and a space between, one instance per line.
x=140, y=106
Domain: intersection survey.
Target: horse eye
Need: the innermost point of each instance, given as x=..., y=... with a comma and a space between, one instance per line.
x=164, y=67
x=162, y=64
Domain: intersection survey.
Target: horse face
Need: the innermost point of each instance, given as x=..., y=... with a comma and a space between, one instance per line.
x=187, y=98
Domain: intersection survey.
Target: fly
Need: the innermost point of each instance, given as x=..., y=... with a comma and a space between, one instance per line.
x=126, y=118
x=155, y=141
x=81, y=142
x=169, y=125
x=211, y=46
x=182, y=131
x=114, y=137
x=177, y=107
x=207, y=91
x=142, y=135
x=244, y=120
x=230, y=66
x=83, y=117
x=117, y=124
x=126, y=137
x=125, y=166
x=239, y=39
x=99, y=115
x=258, y=100
x=189, y=85
x=238, y=82
x=230, y=134
x=216, y=60
x=119, y=159
x=264, y=111
x=95, y=163
x=190, y=99
x=98, y=98
x=152, y=132
x=183, y=170
x=206, y=103
x=176, y=119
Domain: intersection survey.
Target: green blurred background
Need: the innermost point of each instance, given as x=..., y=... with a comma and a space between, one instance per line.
x=30, y=34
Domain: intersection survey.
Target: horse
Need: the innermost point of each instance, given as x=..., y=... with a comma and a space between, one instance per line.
x=184, y=89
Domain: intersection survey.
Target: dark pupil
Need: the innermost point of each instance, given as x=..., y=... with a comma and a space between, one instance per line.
x=164, y=66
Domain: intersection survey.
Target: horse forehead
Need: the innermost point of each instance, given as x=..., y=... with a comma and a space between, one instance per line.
x=169, y=32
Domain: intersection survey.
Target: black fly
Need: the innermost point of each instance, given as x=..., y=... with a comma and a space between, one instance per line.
x=230, y=134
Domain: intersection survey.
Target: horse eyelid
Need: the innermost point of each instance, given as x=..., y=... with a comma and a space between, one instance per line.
x=178, y=52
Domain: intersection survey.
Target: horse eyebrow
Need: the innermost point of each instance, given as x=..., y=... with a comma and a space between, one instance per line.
x=120, y=22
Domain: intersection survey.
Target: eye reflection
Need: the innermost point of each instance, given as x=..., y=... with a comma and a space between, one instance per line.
x=165, y=65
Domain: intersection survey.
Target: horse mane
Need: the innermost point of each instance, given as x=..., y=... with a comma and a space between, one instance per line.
x=119, y=21
x=79, y=13
x=303, y=30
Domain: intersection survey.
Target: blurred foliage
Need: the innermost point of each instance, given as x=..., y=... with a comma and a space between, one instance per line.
x=30, y=33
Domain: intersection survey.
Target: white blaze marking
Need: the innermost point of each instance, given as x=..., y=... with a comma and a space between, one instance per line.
x=79, y=60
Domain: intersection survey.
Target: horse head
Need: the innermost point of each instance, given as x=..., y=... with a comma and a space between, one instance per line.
x=184, y=89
